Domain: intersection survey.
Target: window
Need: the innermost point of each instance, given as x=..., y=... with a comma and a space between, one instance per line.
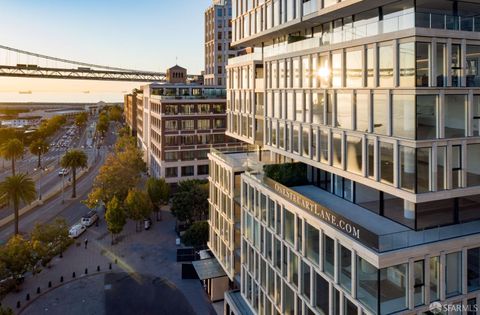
x=345, y=268
x=406, y=52
x=344, y=110
x=385, y=66
x=171, y=109
x=188, y=124
x=476, y=115
x=424, y=163
x=203, y=124
x=473, y=269
x=219, y=123
x=362, y=112
x=337, y=150
x=455, y=109
x=473, y=173
x=456, y=166
x=386, y=162
x=370, y=67
x=171, y=125
x=453, y=274
x=306, y=275
x=188, y=155
x=171, y=172
x=337, y=70
x=426, y=117
x=434, y=278
x=328, y=255
x=312, y=239
x=440, y=65
x=367, y=284
x=318, y=103
x=187, y=171
x=289, y=226
x=321, y=294
x=380, y=113
x=407, y=168
x=187, y=109
x=394, y=289
x=354, y=68
x=403, y=116
x=423, y=60
x=419, y=283
x=456, y=64
x=354, y=155
x=472, y=68
x=171, y=156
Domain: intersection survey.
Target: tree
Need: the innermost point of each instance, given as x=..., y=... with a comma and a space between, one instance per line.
x=138, y=205
x=39, y=147
x=6, y=311
x=115, y=217
x=115, y=113
x=121, y=171
x=12, y=150
x=190, y=202
x=81, y=119
x=53, y=237
x=158, y=191
x=17, y=255
x=74, y=159
x=103, y=123
x=197, y=234
x=16, y=189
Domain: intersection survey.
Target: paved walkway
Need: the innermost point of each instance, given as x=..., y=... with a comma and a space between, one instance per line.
x=149, y=253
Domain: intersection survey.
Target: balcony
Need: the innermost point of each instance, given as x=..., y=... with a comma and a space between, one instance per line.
x=361, y=30
x=366, y=227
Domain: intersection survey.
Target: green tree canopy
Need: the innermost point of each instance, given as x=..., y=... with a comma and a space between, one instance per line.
x=190, y=202
x=197, y=234
x=18, y=256
x=115, y=217
x=16, y=189
x=74, y=159
x=39, y=147
x=12, y=150
x=115, y=113
x=81, y=119
x=54, y=236
x=138, y=205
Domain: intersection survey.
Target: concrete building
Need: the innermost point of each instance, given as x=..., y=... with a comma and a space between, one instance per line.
x=130, y=111
x=177, y=124
x=218, y=35
x=362, y=192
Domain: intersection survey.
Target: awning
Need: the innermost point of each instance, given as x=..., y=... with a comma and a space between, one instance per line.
x=208, y=269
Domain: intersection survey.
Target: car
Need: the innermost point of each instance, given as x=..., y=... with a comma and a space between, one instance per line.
x=90, y=218
x=63, y=172
x=76, y=230
x=147, y=223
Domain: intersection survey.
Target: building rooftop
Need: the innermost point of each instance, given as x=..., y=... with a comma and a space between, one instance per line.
x=238, y=302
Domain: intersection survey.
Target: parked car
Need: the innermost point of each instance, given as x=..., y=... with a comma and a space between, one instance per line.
x=76, y=230
x=147, y=223
x=63, y=172
x=90, y=218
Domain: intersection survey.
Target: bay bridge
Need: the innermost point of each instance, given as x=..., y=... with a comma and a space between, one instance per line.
x=21, y=63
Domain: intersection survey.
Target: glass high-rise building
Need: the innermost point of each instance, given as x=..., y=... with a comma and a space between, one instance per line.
x=361, y=191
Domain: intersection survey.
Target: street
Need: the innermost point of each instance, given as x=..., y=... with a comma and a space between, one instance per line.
x=71, y=210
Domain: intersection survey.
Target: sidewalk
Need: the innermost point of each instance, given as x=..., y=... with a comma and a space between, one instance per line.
x=151, y=253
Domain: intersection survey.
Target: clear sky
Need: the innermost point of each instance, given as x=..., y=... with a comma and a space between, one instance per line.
x=141, y=34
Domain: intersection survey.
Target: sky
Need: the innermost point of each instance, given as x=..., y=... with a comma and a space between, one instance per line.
x=141, y=34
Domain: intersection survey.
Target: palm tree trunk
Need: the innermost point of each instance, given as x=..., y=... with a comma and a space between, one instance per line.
x=74, y=186
x=15, y=210
x=39, y=163
x=13, y=166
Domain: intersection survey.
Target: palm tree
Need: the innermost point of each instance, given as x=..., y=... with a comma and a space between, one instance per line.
x=38, y=148
x=16, y=189
x=74, y=159
x=12, y=150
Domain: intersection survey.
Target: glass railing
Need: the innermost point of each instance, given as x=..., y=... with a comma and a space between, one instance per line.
x=360, y=30
x=447, y=22
x=393, y=241
x=256, y=55
x=310, y=7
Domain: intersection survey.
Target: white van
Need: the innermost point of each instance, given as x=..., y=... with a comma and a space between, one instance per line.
x=90, y=218
x=76, y=230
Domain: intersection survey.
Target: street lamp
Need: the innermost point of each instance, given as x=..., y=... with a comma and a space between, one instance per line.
x=40, y=183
